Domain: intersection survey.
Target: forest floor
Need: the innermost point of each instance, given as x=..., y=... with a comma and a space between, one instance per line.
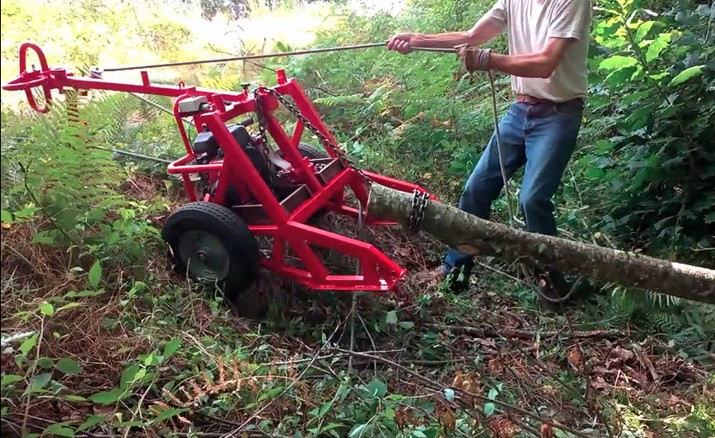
x=158, y=356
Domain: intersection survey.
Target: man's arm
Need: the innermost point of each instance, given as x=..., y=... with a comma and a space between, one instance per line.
x=532, y=65
x=482, y=32
x=487, y=28
x=571, y=21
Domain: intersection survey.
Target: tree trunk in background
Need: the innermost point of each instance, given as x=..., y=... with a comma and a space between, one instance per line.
x=478, y=236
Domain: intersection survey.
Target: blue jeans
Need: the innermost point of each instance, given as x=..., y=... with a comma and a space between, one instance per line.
x=541, y=136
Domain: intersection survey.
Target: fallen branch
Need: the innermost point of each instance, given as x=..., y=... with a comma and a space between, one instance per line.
x=474, y=235
x=490, y=332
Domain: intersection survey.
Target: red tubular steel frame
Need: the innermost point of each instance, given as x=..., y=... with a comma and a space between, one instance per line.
x=379, y=272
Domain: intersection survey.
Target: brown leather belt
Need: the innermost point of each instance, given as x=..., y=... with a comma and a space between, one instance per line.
x=531, y=100
x=525, y=98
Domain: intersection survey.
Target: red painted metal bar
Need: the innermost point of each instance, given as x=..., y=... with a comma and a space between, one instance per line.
x=235, y=153
x=310, y=113
x=302, y=169
x=298, y=132
x=179, y=166
x=379, y=273
x=397, y=184
x=319, y=199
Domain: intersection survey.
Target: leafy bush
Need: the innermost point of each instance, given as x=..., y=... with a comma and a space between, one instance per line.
x=653, y=91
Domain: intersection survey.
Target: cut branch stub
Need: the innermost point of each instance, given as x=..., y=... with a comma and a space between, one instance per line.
x=462, y=230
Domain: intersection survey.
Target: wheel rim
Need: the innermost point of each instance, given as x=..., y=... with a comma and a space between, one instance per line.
x=205, y=257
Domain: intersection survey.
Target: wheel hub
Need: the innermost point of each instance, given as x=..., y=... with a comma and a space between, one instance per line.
x=206, y=257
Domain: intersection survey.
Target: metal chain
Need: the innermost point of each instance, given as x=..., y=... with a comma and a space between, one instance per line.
x=345, y=161
x=417, y=214
x=264, y=138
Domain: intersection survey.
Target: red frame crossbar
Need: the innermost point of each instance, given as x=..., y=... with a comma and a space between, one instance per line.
x=379, y=272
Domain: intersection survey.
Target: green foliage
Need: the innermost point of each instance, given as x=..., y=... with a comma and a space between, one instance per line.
x=653, y=87
x=57, y=172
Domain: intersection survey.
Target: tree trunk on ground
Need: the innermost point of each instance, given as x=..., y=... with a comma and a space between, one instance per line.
x=478, y=236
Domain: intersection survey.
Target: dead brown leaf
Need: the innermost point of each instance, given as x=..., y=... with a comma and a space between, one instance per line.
x=575, y=359
x=446, y=418
x=501, y=427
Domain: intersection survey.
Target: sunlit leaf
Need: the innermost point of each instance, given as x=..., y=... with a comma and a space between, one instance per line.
x=687, y=74
x=643, y=30
x=168, y=413
x=449, y=394
x=108, y=397
x=47, y=309
x=39, y=381
x=95, y=274
x=489, y=408
x=377, y=388
x=617, y=62
x=59, y=429
x=68, y=366
x=28, y=343
x=171, y=348
x=130, y=375
x=9, y=379
x=391, y=317
x=657, y=46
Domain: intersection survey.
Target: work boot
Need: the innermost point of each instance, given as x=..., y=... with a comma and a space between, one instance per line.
x=456, y=280
x=453, y=280
x=553, y=288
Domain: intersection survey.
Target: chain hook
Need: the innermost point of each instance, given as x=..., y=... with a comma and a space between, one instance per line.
x=417, y=213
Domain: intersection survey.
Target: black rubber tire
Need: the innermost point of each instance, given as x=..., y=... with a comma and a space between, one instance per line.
x=223, y=225
x=311, y=152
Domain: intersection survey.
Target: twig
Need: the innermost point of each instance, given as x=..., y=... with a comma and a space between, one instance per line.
x=287, y=388
x=22, y=257
x=25, y=170
x=32, y=373
x=586, y=371
x=489, y=332
x=436, y=385
x=251, y=434
x=12, y=425
x=369, y=336
x=138, y=409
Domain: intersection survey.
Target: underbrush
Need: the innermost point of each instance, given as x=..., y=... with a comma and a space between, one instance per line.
x=99, y=352
x=108, y=340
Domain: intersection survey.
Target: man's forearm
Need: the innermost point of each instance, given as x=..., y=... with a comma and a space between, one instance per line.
x=445, y=40
x=535, y=65
x=482, y=32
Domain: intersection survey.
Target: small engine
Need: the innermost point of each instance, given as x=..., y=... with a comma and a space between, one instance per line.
x=207, y=150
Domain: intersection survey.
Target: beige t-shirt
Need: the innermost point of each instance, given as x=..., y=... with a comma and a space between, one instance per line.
x=529, y=23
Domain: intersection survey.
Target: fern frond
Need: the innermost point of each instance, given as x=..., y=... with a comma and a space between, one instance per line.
x=333, y=101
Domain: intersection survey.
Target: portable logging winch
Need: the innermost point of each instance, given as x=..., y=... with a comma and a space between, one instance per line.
x=240, y=189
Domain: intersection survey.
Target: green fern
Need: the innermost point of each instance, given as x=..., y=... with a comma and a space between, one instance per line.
x=670, y=315
x=60, y=170
x=333, y=101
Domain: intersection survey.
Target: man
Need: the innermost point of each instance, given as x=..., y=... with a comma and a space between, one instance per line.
x=548, y=50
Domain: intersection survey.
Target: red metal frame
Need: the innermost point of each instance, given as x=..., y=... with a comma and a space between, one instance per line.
x=379, y=272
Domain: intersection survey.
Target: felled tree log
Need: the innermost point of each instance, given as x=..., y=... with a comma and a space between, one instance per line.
x=478, y=236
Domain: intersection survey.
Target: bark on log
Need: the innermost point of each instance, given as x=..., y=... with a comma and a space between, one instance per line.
x=478, y=236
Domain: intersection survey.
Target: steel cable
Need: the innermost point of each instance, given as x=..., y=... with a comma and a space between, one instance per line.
x=269, y=55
